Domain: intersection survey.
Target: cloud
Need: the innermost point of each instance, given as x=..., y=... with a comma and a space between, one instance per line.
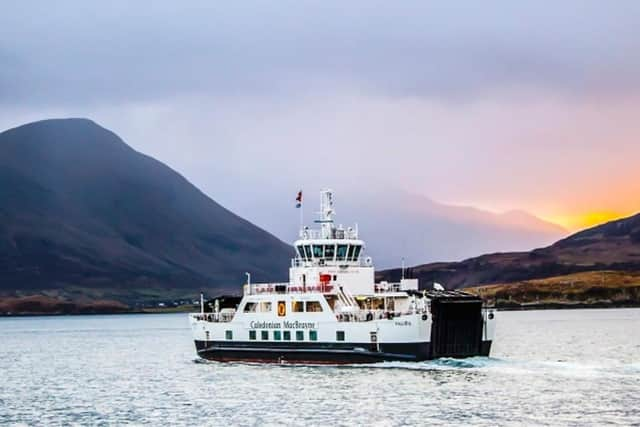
x=494, y=104
x=72, y=52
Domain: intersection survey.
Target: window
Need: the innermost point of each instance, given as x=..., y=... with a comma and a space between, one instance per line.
x=252, y=335
x=329, y=252
x=350, y=256
x=264, y=335
x=228, y=335
x=318, y=251
x=341, y=252
x=297, y=306
x=250, y=307
x=356, y=253
x=339, y=335
x=335, y=277
x=299, y=335
x=301, y=251
x=307, y=251
x=277, y=335
x=313, y=335
x=314, y=306
x=282, y=308
x=286, y=335
x=265, y=306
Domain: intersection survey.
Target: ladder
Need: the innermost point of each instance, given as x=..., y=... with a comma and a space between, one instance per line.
x=346, y=299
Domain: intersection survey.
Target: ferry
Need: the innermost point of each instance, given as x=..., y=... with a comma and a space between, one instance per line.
x=331, y=311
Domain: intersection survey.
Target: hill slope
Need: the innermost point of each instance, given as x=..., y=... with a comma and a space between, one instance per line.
x=611, y=246
x=80, y=209
x=400, y=225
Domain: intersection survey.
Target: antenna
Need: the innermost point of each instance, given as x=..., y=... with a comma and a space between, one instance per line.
x=402, y=268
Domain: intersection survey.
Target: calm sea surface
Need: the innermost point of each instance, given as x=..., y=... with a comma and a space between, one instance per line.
x=572, y=367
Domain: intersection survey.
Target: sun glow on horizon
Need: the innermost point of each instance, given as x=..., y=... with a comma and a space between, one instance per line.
x=584, y=220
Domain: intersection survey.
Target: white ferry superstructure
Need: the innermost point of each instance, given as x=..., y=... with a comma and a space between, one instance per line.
x=332, y=311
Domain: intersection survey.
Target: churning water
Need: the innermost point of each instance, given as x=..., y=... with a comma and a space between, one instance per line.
x=572, y=367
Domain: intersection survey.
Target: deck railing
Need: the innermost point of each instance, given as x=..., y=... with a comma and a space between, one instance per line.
x=286, y=288
x=215, y=317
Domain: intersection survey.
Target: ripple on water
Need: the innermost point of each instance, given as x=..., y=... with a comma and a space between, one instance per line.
x=143, y=370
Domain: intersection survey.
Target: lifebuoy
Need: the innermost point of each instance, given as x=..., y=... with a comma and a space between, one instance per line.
x=282, y=309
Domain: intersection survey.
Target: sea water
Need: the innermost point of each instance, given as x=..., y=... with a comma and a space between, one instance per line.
x=555, y=367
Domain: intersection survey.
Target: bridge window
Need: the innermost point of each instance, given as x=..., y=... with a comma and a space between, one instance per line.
x=299, y=335
x=314, y=306
x=341, y=253
x=250, y=307
x=313, y=335
x=264, y=335
x=277, y=336
x=329, y=252
x=252, y=335
x=339, y=335
x=301, y=251
x=297, y=306
x=351, y=249
x=228, y=335
x=286, y=335
x=307, y=252
x=356, y=253
x=318, y=251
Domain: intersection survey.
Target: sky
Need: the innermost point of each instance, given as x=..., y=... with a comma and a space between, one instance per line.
x=499, y=105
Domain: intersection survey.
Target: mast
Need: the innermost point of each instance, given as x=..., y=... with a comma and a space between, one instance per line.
x=326, y=214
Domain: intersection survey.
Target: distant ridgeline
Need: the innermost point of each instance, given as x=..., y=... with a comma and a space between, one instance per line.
x=597, y=266
x=85, y=218
x=83, y=215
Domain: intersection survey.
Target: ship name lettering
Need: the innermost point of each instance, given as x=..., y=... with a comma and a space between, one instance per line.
x=403, y=323
x=265, y=325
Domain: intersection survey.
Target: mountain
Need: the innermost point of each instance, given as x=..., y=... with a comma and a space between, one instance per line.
x=614, y=246
x=397, y=225
x=82, y=212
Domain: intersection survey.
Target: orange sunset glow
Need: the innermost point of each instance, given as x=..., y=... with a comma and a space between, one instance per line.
x=585, y=220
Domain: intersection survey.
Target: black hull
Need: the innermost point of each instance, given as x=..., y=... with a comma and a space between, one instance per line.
x=321, y=353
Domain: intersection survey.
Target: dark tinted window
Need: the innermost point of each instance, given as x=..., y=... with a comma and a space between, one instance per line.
x=341, y=252
x=299, y=335
x=350, y=257
x=339, y=335
x=264, y=335
x=329, y=252
x=356, y=253
x=286, y=335
x=318, y=251
x=251, y=307
x=252, y=335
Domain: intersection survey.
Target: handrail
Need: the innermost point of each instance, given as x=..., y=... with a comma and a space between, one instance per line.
x=360, y=262
x=286, y=288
